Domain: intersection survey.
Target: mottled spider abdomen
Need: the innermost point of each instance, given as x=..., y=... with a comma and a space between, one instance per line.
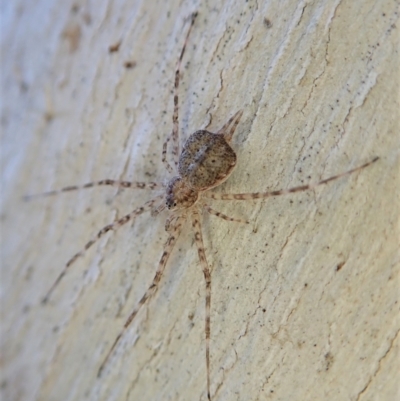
x=206, y=160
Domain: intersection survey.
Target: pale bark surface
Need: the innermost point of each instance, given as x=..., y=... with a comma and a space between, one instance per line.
x=304, y=301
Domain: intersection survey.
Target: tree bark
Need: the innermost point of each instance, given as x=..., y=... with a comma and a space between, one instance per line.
x=304, y=299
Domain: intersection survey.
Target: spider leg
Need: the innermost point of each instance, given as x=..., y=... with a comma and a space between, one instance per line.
x=157, y=210
x=214, y=212
x=262, y=195
x=175, y=122
x=113, y=183
x=207, y=276
x=229, y=133
x=172, y=219
x=113, y=226
x=174, y=231
x=164, y=156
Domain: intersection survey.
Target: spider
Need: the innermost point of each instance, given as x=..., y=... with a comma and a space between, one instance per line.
x=205, y=161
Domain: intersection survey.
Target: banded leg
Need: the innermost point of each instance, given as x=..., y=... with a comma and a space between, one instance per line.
x=262, y=195
x=113, y=226
x=175, y=122
x=223, y=216
x=207, y=276
x=168, y=247
x=228, y=133
x=112, y=183
x=164, y=156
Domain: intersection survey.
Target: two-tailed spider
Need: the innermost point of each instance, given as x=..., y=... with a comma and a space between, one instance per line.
x=205, y=161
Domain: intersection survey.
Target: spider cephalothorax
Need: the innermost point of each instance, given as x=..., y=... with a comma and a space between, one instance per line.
x=179, y=195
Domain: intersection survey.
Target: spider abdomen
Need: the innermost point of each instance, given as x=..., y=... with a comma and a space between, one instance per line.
x=206, y=160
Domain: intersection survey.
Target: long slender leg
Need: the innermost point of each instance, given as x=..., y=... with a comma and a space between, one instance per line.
x=223, y=216
x=113, y=226
x=229, y=133
x=207, y=276
x=175, y=122
x=164, y=156
x=172, y=219
x=261, y=195
x=157, y=210
x=168, y=247
x=113, y=183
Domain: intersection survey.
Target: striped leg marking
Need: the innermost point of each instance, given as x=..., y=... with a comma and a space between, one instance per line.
x=263, y=195
x=113, y=226
x=207, y=276
x=214, y=212
x=169, y=246
x=175, y=116
x=112, y=183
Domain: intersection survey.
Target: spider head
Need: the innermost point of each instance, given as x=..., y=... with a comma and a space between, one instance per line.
x=180, y=195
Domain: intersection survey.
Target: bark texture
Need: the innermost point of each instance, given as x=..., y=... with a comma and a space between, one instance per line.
x=304, y=300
